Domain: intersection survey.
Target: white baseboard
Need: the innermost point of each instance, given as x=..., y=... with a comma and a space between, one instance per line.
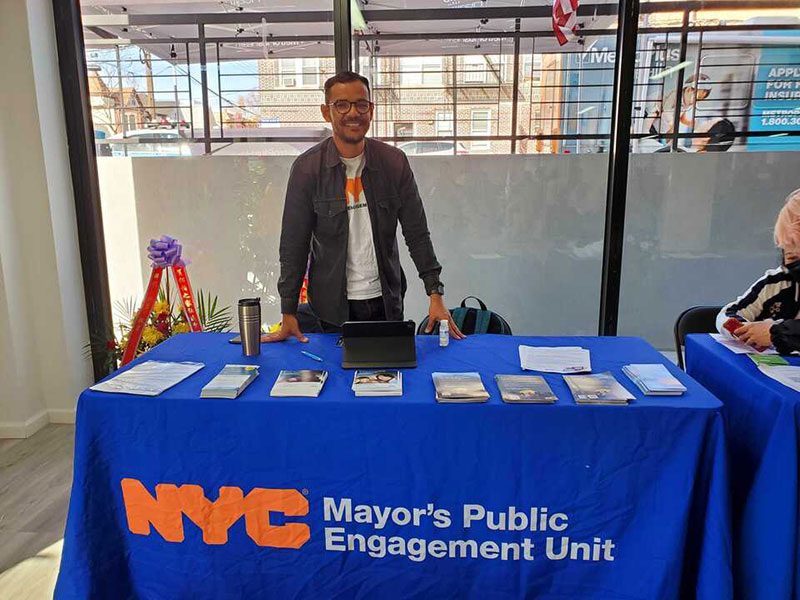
x=24, y=429
x=61, y=415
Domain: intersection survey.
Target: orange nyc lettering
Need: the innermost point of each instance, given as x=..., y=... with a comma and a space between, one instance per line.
x=165, y=513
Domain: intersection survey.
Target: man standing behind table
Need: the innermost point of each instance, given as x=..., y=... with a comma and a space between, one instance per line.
x=344, y=199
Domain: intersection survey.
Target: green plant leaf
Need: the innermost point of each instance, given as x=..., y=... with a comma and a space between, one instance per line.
x=212, y=317
x=125, y=312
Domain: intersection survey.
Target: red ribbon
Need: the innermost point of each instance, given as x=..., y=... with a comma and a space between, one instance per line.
x=165, y=252
x=187, y=297
x=139, y=322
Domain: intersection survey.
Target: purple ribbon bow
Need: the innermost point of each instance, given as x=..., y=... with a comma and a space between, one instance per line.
x=165, y=252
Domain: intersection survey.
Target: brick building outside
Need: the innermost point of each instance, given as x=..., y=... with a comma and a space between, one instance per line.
x=414, y=97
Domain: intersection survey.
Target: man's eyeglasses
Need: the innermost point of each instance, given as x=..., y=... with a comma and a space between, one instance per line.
x=343, y=106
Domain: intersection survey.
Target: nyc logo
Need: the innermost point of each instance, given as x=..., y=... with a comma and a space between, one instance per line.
x=353, y=189
x=165, y=513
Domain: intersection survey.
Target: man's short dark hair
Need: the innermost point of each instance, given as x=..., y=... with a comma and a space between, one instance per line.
x=345, y=77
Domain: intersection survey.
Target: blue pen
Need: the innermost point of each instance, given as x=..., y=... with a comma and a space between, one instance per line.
x=309, y=355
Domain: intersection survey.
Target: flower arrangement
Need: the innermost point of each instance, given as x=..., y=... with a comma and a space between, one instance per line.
x=165, y=320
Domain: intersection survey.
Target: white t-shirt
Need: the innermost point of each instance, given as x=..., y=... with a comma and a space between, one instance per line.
x=363, y=280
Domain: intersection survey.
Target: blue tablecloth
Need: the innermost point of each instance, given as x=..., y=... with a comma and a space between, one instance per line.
x=763, y=419
x=636, y=496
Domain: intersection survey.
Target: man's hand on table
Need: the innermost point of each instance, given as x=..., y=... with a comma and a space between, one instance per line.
x=756, y=334
x=438, y=312
x=289, y=328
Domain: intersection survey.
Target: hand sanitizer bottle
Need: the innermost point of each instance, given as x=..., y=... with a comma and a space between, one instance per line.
x=444, y=333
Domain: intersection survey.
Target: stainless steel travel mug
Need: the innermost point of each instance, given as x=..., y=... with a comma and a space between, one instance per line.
x=250, y=325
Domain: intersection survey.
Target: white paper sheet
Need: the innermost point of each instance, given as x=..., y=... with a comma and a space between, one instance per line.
x=559, y=359
x=738, y=347
x=149, y=378
x=786, y=374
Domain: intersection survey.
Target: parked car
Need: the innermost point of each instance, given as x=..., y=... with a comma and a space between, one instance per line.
x=167, y=123
x=287, y=141
x=149, y=142
x=443, y=148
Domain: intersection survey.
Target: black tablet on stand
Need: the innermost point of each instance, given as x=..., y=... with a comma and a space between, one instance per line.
x=378, y=345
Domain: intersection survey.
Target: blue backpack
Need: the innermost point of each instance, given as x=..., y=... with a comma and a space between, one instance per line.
x=471, y=320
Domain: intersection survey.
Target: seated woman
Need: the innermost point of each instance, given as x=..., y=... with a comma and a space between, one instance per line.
x=770, y=308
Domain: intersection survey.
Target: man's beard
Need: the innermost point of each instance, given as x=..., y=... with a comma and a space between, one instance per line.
x=348, y=137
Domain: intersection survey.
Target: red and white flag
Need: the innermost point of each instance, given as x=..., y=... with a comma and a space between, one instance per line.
x=565, y=19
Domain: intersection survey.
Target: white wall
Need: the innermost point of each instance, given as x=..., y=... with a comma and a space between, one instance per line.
x=73, y=325
x=524, y=232
x=42, y=307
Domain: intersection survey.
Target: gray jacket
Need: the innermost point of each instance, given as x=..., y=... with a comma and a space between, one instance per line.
x=315, y=219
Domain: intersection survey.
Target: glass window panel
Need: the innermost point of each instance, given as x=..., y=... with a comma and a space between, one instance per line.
x=263, y=86
x=444, y=123
x=474, y=69
x=692, y=190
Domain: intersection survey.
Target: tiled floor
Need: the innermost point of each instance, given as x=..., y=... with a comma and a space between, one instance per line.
x=35, y=481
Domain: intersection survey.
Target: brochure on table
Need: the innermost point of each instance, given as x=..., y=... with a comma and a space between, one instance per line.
x=378, y=382
x=738, y=347
x=600, y=388
x=559, y=359
x=459, y=387
x=524, y=389
x=305, y=382
x=149, y=378
x=230, y=381
x=654, y=380
x=787, y=375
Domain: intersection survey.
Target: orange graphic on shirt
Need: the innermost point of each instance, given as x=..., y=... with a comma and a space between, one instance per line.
x=353, y=189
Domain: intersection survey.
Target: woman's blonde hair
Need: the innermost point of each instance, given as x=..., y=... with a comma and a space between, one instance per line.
x=787, y=227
